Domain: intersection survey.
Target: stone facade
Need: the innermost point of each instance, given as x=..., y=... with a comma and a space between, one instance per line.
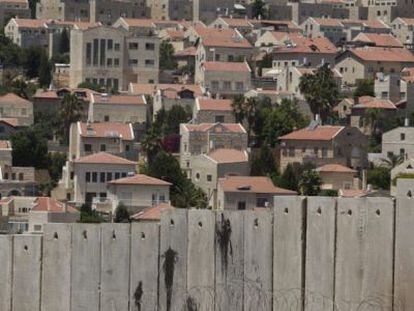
x=398, y=141
x=13, y=8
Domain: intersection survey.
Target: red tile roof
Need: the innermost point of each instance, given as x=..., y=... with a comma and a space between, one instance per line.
x=107, y=129
x=381, y=40
x=15, y=100
x=152, y=213
x=297, y=43
x=369, y=102
x=331, y=22
x=151, y=89
x=205, y=127
x=10, y=121
x=251, y=184
x=118, y=99
x=228, y=156
x=383, y=54
x=222, y=37
x=226, y=66
x=140, y=179
x=214, y=104
x=5, y=144
x=236, y=22
x=103, y=158
x=325, y=132
x=190, y=51
x=337, y=168
x=46, y=204
x=31, y=23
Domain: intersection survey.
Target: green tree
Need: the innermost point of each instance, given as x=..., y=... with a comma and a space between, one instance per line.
x=379, y=177
x=167, y=60
x=56, y=161
x=29, y=148
x=392, y=161
x=70, y=112
x=289, y=178
x=173, y=118
x=320, y=91
x=90, y=86
x=64, y=42
x=87, y=215
x=259, y=9
x=11, y=55
x=121, y=213
x=45, y=71
x=32, y=58
x=371, y=119
x=364, y=87
x=310, y=183
x=238, y=108
x=263, y=163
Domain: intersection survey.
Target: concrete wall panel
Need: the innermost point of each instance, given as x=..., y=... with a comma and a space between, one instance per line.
x=115, y=250
x=364, y=254
x=404, y=255
x=258, y=260
x=6, y=259
x=56, y=272
x=27, y=254
x=200, y=260
x=288, y=242
x=145, y=242
x=229, y=261
x=86, y=267
x=320, y=251
x=173, y=260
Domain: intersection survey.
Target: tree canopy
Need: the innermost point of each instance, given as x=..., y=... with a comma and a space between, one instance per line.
x=167, y=60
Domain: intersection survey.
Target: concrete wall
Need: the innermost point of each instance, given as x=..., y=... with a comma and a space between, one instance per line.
x=306, y=254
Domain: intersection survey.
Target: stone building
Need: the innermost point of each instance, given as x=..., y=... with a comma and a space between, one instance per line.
x=208, y=168
x=336, y=177
x=209, y=110
x=398, y=142
x=403, y=30
x=13, y=8
x=247, y=192
x=202, y=138
x=65, y=10
x=324, y=144
x=15, y=107
x=388, y=10
x=113, y=57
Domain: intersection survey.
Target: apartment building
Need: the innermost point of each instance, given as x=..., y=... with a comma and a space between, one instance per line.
x=247, y=192
x=388, y=10
x=363, y=63
x=403, y=30
x=224, y=78
x=13, y=8
x=398, y=142
x=324, y=144
x=64, y=10
x=202, y=138
x=379, y=40
x=113, y=58
x=16, y=107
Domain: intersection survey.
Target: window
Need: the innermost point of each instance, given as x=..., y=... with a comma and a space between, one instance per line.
x=149, y=63
x=219, y=119
x=324, y=152
x=150, y=46
x=402, y=136
x=95, y=51
x=262, y=202
x=108, y=176
x=94, y=177
x=1, y=129
x=133, y=62
x=241, y=205
x=88, y=53
x=103, y=147
x=214, y=85
x=24, y=111
x=127, y=147
x=209, y=178
x=117, y=47
x=123, y=175
x=133, y=45
x=109, y=62
x=116, y=62
x=226, y=85
x=110, y=44
x=37, y=227
x=102, y=177
x=402, y=152
x=87, y=147
x=88, y=177
x=116, y=175
x=20, y=176
x=106, y=118
x=197, y=176
x=291, y=151
x=239, y=86
x=103, y=52
x=13, y=176
x=316, y=151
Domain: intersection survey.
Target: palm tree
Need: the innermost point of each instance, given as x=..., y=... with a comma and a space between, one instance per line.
x=70, y=112
x=250, y=110
x=152, y=144
x=392, y=160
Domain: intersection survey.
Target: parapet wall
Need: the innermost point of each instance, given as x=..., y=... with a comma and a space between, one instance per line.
x=308, y=254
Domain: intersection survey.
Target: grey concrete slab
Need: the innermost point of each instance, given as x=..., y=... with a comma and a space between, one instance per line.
x=320, y=251
x=364, y=261
x=115, y=252
x=57, y=239
x=404, y=255
x=6, y=259
x=288, y=242
x=229, y=261
x=27, y=253
x=200, y=260
x=86, y=267
x=258, y=260
x=173, y=260
x=145, y=242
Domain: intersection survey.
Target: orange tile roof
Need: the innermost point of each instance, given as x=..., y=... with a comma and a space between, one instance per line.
x=228, y=156
x=214, y=104
x=301, y=44
x=279, y=35
x=407, y=21
x=337, y=168
x=369, y=102
x=325, y=132
x=175, y=34
x=103, y=158
x=226, y=66
x=331, y=22
x=383, y=54
x=5, y=144
x=152, y=213
x=251, y=184
x=236, y=22
x=140, y=179
x=205, y=127
x=15, y=100
x=151, y=89
x=118, y=99
x=31, y=23
x=222, y=37
x=10, y=121
x=46, y=204
x=107, y=129
x=138, y=22
x=190, y=51
x=382, y=40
